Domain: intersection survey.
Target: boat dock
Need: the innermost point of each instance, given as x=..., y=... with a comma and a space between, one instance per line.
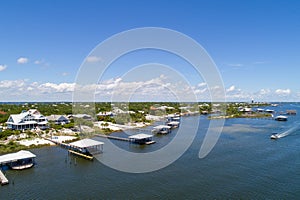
x=20, y=160
x=85, y=148
x=113, y=137
x=81, y=154
x=3, y=179
x=138, y=138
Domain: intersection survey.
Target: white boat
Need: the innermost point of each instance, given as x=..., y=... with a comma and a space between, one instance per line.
x=274, y=137
x=20, y=167
x=281, y=118
x=269, y=111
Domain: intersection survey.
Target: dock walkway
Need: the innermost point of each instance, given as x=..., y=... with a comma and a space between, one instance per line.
x=132, y=139
x=113, y=137
x=3, y=179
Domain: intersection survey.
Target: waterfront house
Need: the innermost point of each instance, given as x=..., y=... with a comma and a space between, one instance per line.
x=58, y=119
x=27, y=120
x=80, y=116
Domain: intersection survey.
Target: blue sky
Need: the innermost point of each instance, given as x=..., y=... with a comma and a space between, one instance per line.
x=255, y=44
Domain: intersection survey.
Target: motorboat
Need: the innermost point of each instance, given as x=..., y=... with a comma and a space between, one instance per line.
x=281, y=118
x=274, y=136
x=25, y=166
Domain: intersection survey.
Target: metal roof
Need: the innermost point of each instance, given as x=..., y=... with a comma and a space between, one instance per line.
x=16, y=156
x=174, y=122
x=140, y=136
x=162, y=127
x=86, y=143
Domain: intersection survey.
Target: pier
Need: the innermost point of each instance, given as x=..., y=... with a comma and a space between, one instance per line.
x=19, y=160
x=137, y=139
x=3, y=179
x=113, y=137
x=85, y=148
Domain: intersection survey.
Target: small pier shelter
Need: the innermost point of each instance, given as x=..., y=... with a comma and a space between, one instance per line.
x=173, y=124
x=141, y=139
x=161, y=129
x=86, y=148
x=19, y=160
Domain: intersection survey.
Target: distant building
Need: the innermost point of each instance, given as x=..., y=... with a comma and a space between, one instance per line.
x=58, y=119
x=103, y=114
x=27, y=120
x=80, y=116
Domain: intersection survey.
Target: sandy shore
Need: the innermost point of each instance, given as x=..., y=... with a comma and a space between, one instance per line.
x=41, y=141
x=63, y=138
x=35, y=141
x=119, y=127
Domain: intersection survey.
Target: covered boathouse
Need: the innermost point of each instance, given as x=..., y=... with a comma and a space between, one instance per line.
x=19, y=160
x=141, y=139
x=86, y=148
x=161, y=129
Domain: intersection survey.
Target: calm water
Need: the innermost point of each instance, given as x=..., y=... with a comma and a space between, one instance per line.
x=245, y=164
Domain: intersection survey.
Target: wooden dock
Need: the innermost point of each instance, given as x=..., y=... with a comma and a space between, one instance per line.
x=122, y=139
x=81, y=154
x=72, y=148
x=3, y=179
x=113, y=137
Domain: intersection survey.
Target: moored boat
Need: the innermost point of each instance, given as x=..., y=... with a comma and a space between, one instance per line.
x=281, y=118
x=20, y=167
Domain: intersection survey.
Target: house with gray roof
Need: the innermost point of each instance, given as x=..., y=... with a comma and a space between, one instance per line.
x=27, y=120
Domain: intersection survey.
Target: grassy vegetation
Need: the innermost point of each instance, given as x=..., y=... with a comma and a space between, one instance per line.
x=11, y=147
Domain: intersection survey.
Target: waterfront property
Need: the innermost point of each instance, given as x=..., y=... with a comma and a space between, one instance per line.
x=86, y=148
x=58, y=119
x=141, y=139
x=27, y=120
x=161, y=129
x=173, y=124
x=19, y=160
x=173, y=117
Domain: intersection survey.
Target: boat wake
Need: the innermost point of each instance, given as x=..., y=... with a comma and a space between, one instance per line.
x=288, y=132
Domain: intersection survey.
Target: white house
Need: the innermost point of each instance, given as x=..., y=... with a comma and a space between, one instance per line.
x=27, y=120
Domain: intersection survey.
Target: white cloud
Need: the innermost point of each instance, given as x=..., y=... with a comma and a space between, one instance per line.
x=65, y=74
x=3, y=67
x=155, y=89
x=93, y=59
x=260, y=62
x=22, y=60
x=235, y=65
x=38, y=62
x=53, y=87
x=202, y=84
x=264, y=91
x=12, y=83
x=231, y=89
x=283, y=91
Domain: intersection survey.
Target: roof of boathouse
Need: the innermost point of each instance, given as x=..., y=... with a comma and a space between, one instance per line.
x=11, y=157
x=86, y=143
x=140, y=136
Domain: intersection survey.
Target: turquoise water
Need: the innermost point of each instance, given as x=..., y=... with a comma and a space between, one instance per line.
x=245, y=164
